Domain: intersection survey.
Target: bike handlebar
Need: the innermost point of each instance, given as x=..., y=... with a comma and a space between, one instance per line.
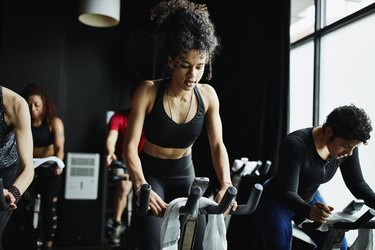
x=252, y=202
x=196, y=193
x=192, y=202
x=118, y=164
x=144, y=197
x=363, y=221
x=118, y=170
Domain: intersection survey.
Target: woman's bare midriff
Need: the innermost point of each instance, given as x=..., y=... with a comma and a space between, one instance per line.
x=41, y=152
x=165, y=153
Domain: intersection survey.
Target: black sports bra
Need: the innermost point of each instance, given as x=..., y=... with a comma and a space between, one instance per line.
x=161, y=130
x=42, y=137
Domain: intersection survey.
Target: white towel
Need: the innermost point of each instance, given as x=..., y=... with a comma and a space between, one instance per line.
x=333, y=218
x=39, y=161
x=215, y=233
x=364, y=240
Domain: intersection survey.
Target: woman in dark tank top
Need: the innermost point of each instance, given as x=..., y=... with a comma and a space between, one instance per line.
x=49, y=139
x=172, y=112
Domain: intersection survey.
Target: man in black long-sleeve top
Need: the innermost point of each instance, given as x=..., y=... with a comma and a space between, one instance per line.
x=307, y=158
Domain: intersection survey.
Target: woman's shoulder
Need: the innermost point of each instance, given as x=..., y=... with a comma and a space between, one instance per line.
x=55, y=121
x=13, y=103
x=150, y=85
x=11, y=98
x=208, y=94
x=148, y=88
x=206, y=90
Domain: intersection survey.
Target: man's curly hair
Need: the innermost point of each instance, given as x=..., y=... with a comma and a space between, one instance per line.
x=185, y=26
x=349, y=122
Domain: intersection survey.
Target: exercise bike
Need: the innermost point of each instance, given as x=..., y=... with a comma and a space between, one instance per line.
x=26, y=219
x=4, y=205
x=250, y=172
x=345, y=221
x=191, y=209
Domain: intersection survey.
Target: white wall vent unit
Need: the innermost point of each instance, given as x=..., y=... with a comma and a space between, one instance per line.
x=82, y=176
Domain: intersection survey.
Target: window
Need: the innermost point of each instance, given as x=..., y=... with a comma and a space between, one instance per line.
x=302, y=19
x=301, y=87
x=338, y=9
x=342, y=54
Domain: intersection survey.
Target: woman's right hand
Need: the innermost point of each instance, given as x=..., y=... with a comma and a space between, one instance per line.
x=9, y=198
x=156, y=205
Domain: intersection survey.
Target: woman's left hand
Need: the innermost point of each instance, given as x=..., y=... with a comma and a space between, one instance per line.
x=57, y=170
x=219, y=196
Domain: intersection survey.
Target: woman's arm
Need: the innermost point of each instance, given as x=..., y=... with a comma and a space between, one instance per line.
x=219, y=152
x=59, y=135
x=134, y=131
x=17, y=115
x=142, y=101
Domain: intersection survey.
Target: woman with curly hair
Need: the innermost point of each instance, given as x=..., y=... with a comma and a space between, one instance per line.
x=49, y=139
x=308, y=158
x=172, y=112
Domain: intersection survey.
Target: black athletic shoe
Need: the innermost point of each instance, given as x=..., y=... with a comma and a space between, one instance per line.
x=116, y=233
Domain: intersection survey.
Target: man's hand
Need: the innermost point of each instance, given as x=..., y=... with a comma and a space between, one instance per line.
x=109, y=158
x=320, y=212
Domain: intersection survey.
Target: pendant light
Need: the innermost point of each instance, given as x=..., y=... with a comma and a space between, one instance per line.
x=99, y=13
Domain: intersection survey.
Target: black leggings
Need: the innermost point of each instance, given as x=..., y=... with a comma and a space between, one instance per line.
x=8, y=176
x=48, y=185
x=170, y=179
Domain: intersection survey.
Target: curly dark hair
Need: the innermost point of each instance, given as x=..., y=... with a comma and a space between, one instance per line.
x=349, y=122
x=34, y=89
x=185, y=26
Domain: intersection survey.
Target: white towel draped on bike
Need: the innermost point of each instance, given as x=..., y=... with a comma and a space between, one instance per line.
x=215, y=233
x=39, y=161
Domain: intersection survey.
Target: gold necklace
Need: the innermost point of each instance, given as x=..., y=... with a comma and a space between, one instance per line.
x=188, y=111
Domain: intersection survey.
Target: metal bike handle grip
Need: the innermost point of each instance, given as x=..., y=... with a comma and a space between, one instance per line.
x=3, y=203
x=252, y=202
x=144, y=198
x=266, y=168
x=224, y=204
x=118, y=164
x=195, y=194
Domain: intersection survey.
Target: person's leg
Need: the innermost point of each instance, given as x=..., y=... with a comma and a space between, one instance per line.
x=170, y=179
x=4, y=218
x=149, y=225
x=121, y=199
x=181, y=177
x=49, y=189
x=275, y=224
x=120, y=202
